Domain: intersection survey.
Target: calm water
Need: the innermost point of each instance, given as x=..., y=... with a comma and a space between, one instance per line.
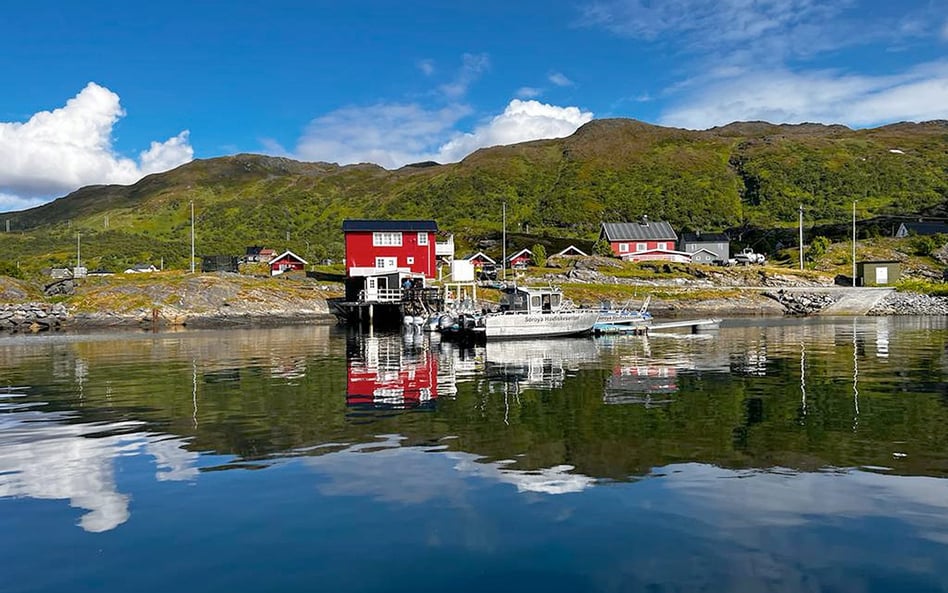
x=765, y=456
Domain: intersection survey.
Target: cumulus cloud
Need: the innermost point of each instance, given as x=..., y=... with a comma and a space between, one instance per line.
x=57, y=151
x=559, y=79
x=823, y=96
x=393, y=135
x=521, y=121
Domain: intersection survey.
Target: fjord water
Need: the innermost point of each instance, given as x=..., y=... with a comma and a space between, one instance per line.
x=782, y=455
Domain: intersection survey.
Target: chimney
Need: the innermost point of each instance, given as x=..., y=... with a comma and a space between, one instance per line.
x=644, y=220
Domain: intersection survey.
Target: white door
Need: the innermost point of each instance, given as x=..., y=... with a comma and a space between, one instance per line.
x=386, y=262
x=371, y=289
x=882, y=275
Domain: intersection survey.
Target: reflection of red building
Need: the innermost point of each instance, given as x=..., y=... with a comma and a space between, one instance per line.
x=399, y=382
x=628, y=383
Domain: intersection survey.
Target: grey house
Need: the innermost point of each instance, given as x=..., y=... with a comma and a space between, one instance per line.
x=705, y=247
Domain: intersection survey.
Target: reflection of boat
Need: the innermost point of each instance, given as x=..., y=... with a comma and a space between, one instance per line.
x=539, y=363
x=536, y=312
x=383, y=372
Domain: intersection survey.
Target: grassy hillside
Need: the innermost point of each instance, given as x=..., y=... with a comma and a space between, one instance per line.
x=747, y=175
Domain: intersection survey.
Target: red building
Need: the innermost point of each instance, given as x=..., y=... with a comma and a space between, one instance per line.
x=390, y=245
x=521, y=259
x=286, y=262
x=480, y=259
x=643, y=240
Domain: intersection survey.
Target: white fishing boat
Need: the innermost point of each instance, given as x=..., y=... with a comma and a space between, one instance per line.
x=536, y=312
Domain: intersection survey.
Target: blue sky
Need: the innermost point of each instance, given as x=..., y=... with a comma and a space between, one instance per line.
x=105, y=92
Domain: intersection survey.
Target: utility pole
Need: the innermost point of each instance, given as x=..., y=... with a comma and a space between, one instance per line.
x=801, y=237
x=192, y=236
x=854, y=242
x=504, y=240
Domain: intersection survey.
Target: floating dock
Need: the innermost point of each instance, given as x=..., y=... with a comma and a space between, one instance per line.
x=645, y=328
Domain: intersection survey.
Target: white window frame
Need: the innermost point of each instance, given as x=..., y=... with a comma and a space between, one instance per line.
x=410, y=260
x=386, y=239
x=663, y=246
x=422, y=238
x=641, y=247
x=380, y=263
x=623, y=247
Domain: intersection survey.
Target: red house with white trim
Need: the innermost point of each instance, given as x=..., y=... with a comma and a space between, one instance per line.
x=643, y=240
x=521, y=259
x=376, y=245
x=286, y=262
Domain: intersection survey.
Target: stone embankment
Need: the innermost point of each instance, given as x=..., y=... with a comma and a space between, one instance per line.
x=910, y=303
x=33, y=317
x=800, y=303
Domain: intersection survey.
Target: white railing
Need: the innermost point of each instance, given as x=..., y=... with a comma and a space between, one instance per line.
x=446, y=247
x=383, y=295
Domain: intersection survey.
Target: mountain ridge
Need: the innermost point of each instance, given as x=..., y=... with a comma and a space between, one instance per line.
x=741, y=174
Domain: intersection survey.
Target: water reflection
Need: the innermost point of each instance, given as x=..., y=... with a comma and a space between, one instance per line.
x=544, y=416
x=43, y=456
x=390, y=371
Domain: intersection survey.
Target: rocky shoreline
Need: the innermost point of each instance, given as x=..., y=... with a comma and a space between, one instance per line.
x=911, y=303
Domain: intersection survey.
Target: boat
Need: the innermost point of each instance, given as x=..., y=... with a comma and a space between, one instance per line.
x=536, y=312
x=626, y=315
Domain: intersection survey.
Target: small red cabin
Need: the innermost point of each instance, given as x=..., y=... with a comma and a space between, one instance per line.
x=389, y=245
x=521, y=259
x=285, y=262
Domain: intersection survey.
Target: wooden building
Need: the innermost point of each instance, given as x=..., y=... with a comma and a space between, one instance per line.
x=374, y=245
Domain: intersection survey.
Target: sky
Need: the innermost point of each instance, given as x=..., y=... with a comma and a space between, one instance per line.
x=107, y=92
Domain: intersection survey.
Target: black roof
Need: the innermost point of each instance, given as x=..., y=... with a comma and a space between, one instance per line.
x=389, y=225
x=704, y=238
x=926, y=228
x=638, y=231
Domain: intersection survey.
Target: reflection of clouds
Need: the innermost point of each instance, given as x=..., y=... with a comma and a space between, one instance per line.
x=756, y=498
x=413, y=475
x=40, y=457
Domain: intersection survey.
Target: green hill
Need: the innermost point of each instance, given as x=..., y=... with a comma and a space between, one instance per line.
x=747, y=174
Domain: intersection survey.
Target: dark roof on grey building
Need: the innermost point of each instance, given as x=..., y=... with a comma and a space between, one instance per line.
x=926, y=228
x=389, y=225
x=639, y=231
x=704, y=238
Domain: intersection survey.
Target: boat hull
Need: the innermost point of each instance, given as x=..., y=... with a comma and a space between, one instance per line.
x=538, y=325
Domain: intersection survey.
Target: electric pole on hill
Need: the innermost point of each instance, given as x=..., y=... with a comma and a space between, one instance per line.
x=192, y=236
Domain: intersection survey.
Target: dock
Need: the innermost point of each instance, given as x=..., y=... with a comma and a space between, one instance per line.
x=646, y=328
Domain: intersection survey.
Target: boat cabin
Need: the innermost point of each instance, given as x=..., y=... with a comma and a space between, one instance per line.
x=531, y=300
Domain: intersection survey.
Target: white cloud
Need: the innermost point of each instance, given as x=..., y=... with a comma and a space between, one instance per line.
x=58, y=151
x=427, y=67
x=528, y=92
x=521, y=121
x=9, y=202
x=944, y=31
x=473, y=65
x=392, y=135
x=824, y=96
x=388, y=134
x=559, y=79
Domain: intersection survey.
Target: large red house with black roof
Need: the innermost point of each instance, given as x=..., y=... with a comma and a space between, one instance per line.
x=404, y=245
